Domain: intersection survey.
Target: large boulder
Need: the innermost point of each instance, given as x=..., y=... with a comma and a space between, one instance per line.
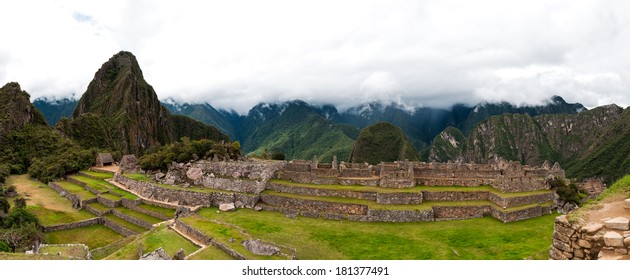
x=621, y=223
x=227, y=207
x=258, y=247
x=613, y=239
x=158, y=255
x=194, y=173
x=180, y=255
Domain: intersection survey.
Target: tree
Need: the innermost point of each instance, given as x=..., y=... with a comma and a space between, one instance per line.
x=18, y=217
x=21, y=236
x=4, y=205
x=19, y=202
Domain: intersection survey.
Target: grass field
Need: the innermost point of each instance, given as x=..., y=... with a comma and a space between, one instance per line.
x=138, y=215
x=99, y=185
x=45, y=203
x=163, y=237
x=160, y=210
x=76, y=189
x=100, y=175
x=32, y=257
x=99, y=207
x=482, y=238
x=211, y=253
x=130, y=226
x=110, y=196
x=77, y=252
x=93, y=236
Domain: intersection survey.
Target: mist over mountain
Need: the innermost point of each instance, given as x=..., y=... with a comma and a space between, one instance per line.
x=55, y=109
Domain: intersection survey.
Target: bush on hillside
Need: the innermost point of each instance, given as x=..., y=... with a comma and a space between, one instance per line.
x=569, y=193
x=188, y=150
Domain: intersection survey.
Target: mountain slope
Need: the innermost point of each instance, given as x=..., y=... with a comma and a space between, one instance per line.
x=382, y=142
x=121, y=101
x=16, y=110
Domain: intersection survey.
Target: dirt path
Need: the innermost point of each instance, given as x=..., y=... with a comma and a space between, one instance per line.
x=609, y=210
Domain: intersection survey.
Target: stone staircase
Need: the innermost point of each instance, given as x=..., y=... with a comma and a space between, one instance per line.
x=607, y=238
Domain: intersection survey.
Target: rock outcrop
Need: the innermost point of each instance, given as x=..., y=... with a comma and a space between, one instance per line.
x=16, y=110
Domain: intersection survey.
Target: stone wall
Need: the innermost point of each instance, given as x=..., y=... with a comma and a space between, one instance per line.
x=460, y=212
x=517, y=215
x=313, y=205
x=580, y=241
x=116, y=227
x=355, y=173
x=464, y=182
x=95, y=211
x=399, y=198
x=508, y=202
x=454, y=195
x=148, y=212
x=107, y=202
x=397, y=183
x=366, y=195
x=255, y=170
x=207, y=240
x=234, y=185
x=84, y=223
x=357, y=182
x=131, y=219
x=73, y=198
x=185, y=197
x=375, y=215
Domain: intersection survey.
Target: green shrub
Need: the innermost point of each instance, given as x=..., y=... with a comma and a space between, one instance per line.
x=567, y=193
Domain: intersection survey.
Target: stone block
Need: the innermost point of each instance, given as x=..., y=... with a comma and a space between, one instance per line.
x=556, y=254
x=622, y=251
x=227, y=207
x=563, y=220
x=568, y=255
x=621, y=223
x=592, y=228
x=194, y=173
x=613, y=239
x=626, y=203
x=626, y=241
x=578, y=254
x=561, y=237
x=564, y=230
x=584, y=243
x=561, y=245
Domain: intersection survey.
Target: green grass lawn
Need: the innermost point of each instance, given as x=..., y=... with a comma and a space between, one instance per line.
x=45, y=203
x=68, y=251
x=130, y=226
x=138, y=215
x=163, y=237
x=482, y=238
x=100, y=175
x=99, y=207
x=110, y=196
x=76, y=189
x=33, y=257
x=99, y=185
x=211, y=253
x=164, y=211
x=123, y=193
x=223, y=233
x=94, y=236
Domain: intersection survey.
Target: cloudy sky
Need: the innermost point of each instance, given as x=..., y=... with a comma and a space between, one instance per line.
x=235, y=54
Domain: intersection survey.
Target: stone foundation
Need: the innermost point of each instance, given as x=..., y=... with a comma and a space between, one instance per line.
x=84, y=223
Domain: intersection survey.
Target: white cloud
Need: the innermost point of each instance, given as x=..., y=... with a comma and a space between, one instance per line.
x=234, y=54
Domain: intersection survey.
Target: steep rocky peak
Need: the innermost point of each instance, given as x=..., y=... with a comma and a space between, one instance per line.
x=16, y=109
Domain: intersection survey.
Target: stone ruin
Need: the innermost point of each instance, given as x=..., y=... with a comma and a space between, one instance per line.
x=129, y=163
x=104, y=159
x=505, y=176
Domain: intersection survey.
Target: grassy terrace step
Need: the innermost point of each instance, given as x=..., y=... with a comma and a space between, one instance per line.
x=100, y=175
x=123, y=193
x=98, y=185
x=164, y=211
x=423, y=206
x=110, y=196
x=481, y=189
x=222, y=234
x=138, y=215
x=355, y=188
x=99, y=207
x=371, y=204
x=162, y=236
x=408, y=190
x=76, y=189
x=130, y=226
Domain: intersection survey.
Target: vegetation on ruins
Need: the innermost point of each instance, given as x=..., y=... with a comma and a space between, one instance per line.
x=569, y=193
x=19, y=229
x=187, y=150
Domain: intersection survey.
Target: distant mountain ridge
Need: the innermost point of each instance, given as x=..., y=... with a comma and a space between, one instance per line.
x=54, y=109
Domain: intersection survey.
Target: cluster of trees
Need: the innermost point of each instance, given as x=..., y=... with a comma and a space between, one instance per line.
x=43, y=152
x=187, y=150
x=569, y=193
x=18, y=227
